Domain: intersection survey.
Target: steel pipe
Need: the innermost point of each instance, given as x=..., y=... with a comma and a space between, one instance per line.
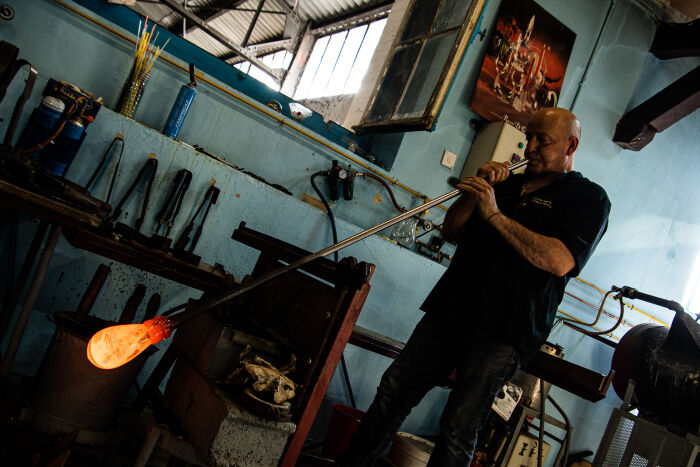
x=198, y=308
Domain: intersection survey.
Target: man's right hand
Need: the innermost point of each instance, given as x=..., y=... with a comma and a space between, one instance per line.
x=494, y=172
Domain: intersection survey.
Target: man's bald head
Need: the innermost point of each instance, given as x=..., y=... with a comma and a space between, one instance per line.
x=561, y=119
x=553, y=135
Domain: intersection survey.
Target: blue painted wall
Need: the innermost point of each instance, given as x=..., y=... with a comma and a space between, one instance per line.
x=651, y=243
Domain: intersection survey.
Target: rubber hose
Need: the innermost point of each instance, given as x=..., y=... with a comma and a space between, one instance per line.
x=568, y=430
x=388, y=188
x=335, y=257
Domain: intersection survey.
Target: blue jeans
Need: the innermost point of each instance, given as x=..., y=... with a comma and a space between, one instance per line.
x=436, y=347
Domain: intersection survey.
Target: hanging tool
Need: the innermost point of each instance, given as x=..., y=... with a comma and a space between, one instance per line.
x=171, y=207
x=152, y=307
x=121, y=230
x=9, y=66
x=117, y=138
x=198, y=233
x=181, y=251
x=132, y=304
x=93, y=290
x=184, y=239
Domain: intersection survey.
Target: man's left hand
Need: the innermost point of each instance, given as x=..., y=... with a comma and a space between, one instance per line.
x=483, y=193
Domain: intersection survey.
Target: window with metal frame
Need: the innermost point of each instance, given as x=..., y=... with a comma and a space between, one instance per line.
x=425, y=56
x=339, y=61
x=280, y=59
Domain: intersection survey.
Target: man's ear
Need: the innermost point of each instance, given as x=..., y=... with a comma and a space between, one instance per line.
x=573, y=145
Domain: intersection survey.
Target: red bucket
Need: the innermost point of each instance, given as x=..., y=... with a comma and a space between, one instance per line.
x=344, y=422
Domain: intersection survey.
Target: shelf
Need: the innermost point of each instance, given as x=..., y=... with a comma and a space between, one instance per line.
x=161, y=263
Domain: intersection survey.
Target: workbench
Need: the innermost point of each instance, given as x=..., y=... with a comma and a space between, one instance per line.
x=82, y=230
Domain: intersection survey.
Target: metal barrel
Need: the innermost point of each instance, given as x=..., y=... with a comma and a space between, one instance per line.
x=75, y=394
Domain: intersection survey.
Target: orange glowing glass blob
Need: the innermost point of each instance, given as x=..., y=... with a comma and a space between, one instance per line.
x=115, y=346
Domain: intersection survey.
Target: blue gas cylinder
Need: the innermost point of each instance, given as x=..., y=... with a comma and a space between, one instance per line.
x=179, y=111
x=42, y=124
x=58, y=157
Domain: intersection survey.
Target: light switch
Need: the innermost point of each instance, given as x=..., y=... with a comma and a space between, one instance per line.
x=448, y=159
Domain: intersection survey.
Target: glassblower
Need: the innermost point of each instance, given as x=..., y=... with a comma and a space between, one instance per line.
x=115, y=346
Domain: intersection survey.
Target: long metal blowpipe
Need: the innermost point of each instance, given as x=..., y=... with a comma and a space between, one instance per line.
x=208, y=304
x=117, y=345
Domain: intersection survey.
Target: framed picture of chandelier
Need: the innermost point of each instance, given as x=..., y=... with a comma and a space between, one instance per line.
x=524, y=65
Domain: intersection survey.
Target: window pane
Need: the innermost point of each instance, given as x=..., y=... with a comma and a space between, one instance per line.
x=287, y=60
x=451, y=15
x=393, y=83
x=311, y=67
x=364, y=57
x=263, y=77
x=420, y=20
x=243, y=66
x=330, y=58
x=346, y=61
x=428, y=71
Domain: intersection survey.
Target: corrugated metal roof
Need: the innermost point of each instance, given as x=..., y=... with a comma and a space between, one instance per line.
x=234, y=23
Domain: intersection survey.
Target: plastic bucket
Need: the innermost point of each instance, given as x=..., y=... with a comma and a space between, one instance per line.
x=344, y=422
x=409, y=450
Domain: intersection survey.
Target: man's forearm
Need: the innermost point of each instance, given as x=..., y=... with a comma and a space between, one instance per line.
x=547, y=253
x=456, y=217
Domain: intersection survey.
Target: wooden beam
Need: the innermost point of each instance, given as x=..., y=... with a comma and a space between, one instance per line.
x=674, y=40
x=637, y=127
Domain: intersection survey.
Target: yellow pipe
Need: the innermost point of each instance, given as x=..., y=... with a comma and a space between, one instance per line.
x=625, y=303
x=573, y=318
x=262, y=109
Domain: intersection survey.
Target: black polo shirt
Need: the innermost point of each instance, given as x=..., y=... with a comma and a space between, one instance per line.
x=490, y=290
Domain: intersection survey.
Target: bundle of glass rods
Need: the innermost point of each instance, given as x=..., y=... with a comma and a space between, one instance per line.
x=145, y=55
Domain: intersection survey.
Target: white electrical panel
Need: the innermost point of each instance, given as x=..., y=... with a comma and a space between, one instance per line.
x=497, y=141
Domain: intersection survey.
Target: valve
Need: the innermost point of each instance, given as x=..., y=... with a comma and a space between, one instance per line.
x=349, y=184
x=335, y=175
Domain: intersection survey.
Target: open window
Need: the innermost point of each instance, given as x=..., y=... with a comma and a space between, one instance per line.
x=423, y=62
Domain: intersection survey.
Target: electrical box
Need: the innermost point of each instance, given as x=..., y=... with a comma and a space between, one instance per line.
x=497, y=141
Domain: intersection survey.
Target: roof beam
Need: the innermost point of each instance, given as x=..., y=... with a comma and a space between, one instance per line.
x=637, y=127
x=252, y=23
x=673, y=40
x=276, y=74
x=346, y=22
x=210, y=12
x=232, y=6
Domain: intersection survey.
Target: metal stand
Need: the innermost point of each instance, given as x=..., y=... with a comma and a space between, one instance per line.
x=630, y=440
x=516, y=421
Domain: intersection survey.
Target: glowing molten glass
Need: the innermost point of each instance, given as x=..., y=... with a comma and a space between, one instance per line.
x=117, y=345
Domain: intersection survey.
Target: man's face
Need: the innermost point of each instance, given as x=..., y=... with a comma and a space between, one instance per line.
x=548, y=145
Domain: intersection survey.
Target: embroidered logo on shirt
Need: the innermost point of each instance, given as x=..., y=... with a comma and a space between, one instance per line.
x=542, y=202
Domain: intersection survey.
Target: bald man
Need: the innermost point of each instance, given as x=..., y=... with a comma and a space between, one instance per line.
x=519, y=238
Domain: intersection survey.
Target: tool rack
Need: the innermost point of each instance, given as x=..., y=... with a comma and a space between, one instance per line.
x=80, y=228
